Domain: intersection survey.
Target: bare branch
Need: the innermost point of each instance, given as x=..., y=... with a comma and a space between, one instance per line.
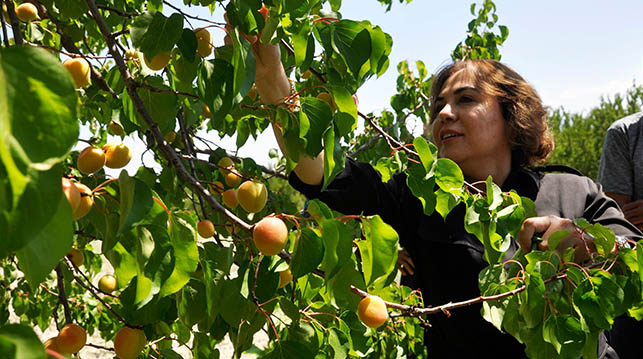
x=15, y=24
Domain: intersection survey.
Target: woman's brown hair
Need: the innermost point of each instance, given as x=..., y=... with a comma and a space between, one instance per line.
x=529, y=136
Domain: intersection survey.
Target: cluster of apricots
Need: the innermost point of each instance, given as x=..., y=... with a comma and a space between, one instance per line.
x=80, y=197
x=112, y=155
x=203, y=49
x=128, y=342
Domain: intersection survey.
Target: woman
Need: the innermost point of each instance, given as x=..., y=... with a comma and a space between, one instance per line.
x=490, y=121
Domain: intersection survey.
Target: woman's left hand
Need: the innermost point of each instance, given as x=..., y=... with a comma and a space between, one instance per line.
x=548, y=225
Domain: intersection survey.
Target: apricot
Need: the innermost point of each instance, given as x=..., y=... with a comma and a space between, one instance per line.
x=285, y=277
x=78, y=68
x=230, y=198
x=51, y=344
x=117, y=155
x=72, y=193
x=270, y=235
x=170, y=137
x=328, y=98
x=205, y=111
x=27, y=12
x=216, y=187
x=158, y=62
x=232, y=179
x=205, y=228
x=107, y=283
x=116, y=128
x=225, y=164
x=129, y=343
x=76, y=257
x=306, y=75
x=71, y=339
x=372, y=311
x=204, y=46
x=90, y=160
x=252, y=196
x=232, y=228
x=252, y=93
x=86, y=201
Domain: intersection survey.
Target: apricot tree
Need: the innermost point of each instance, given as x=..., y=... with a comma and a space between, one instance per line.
x=191, y=270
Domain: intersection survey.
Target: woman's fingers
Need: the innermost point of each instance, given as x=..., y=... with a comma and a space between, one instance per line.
x=548, y=225
x=405, y=263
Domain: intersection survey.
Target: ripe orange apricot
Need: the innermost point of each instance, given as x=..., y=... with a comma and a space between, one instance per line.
x=71, y=339
x=51, y=344
x=76, y=257
x=216, y=187
x=204, y=46
x=107, y=283
x=270, y=235
x=285, y=277
x=252, y=196
x=205, y=111
x=86, y=201
x=205, y=228
x=72, y=193
x=117, y=155
x=90, y=160
x=129, y=342
x=232, y=179
x=230, y=198
x=27, y=12
x=116, y=128
x=79, y=70
x=158, y=62
x=225, y=164
x=372, y=311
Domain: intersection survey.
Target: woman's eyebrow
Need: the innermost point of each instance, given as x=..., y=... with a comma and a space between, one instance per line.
x=457, y=92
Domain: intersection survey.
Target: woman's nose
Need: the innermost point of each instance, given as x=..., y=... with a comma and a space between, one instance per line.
x=446, y=113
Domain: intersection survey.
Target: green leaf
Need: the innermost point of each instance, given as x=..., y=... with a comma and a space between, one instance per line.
x=18, y=341
x=338, y=244
x=216, y=84
x=445, y=202
x=378, y=250
x=153, y=33
x=565, y=333
x=353, y=42
x=448, y=176
x=345, y=103
x=599, y=300
x=308, y=253
x=136, y=201
x=162, y=107
x=188, y=45
x=301, y=41
x=319, y=116
x=41, y=126
x=422, y=187
x=290, y=349
x=494, y=194
x=41, y=255
x=333, y=157
x=427, y=154
x=185, y=252
x=191, y=303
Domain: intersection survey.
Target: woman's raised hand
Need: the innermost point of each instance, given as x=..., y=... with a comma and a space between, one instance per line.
x=548, y=225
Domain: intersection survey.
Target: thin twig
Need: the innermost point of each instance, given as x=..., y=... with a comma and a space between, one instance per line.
x=62, y=296
x=236, y=159
x=116, y=11
x=5, y=36
x=192, y=16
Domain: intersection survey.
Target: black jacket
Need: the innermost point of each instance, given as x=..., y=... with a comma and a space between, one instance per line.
x=447, y=258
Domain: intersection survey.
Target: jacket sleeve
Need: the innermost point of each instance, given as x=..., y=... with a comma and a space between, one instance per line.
x=359, y=190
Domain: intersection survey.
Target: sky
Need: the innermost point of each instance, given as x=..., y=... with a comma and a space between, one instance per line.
x=571, y=51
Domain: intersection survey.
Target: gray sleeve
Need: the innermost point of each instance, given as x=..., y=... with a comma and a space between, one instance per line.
x=615, y=169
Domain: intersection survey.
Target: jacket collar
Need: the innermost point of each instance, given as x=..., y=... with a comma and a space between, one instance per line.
x=524, y=181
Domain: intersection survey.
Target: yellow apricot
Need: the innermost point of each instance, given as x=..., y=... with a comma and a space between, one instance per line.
x=285, y=277
x=116, y=128
x=107, y=283
x=72, y=193
x=117, y=155
x=270, y=235
x=225, y=164
x=205, y=228
x=90, y=160
x=170, y=137
x=79, y=70
x=76, y=257
x=158, y=62
x=216, y=187
x=71, y=339
x=230, y=198
x=86, y=201
x=204, y=46
x=205, y=111
x=27, y=12
x=129, y=342
x=372, y=311
x=51, y=344
x=328, y=98
x=232, y=179
x=252, y=196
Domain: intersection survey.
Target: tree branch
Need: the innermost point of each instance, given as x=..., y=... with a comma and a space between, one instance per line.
x=62, y=296
x=234, y=158
x=15, y=24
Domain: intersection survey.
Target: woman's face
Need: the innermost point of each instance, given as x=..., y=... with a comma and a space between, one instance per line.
x=469, y=128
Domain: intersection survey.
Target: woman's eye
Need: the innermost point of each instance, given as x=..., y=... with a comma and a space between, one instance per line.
x=466, y=99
